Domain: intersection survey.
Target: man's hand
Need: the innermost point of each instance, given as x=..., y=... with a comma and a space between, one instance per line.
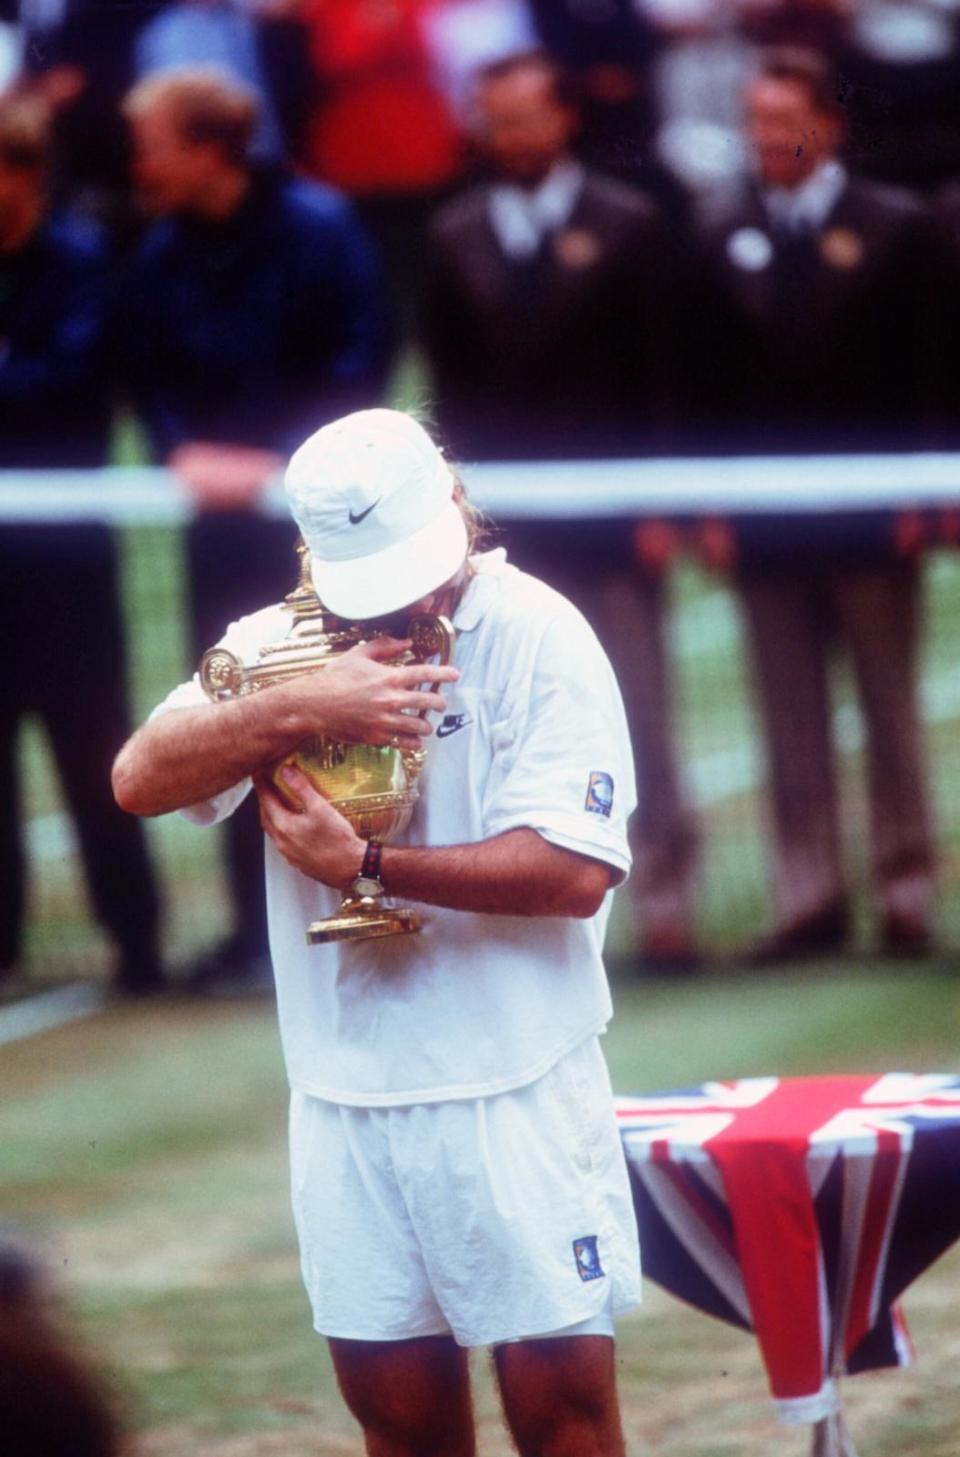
x=362, y=698
x=186, y=757
x=491, y=876
x=224, y=477
x=316, y=840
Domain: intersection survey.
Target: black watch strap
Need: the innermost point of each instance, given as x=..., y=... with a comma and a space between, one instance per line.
x=370, y=869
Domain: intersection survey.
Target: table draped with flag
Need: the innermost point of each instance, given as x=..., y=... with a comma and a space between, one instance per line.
x=800, y=1209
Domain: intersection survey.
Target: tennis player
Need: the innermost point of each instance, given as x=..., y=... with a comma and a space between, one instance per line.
x=457, y=1174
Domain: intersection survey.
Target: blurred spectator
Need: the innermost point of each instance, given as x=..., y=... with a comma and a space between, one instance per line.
x=254, y=314
x=900, y=86
x=383, y=131
x=221, y=33
x=79, y=53
x=817, y=342
x=285, y=57
x=898, y=77
x=548, y=311
x=607, y=46
x=816, y=25
x=62, y=655
x=549, y=326
x=52, y=1404
x=697, y=77
x=463, y=36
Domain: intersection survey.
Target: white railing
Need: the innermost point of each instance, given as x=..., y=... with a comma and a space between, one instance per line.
x=743, y=485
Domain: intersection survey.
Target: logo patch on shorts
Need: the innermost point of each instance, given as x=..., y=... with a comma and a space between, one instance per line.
x=599, y=793
x=588, y=1258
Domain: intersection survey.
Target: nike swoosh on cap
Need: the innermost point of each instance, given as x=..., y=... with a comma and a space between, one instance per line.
x=355, y=520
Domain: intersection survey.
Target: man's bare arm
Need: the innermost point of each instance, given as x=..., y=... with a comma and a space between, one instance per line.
x=192, y=754
x=518, y=873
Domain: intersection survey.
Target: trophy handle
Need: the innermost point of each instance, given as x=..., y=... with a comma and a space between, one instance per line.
x=222, y=674
x=431, y=637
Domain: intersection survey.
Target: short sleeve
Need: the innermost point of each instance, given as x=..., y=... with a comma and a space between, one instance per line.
x=562, y=761
x=244, y=638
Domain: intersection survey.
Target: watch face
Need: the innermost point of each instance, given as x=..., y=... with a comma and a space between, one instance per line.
x=364, y=885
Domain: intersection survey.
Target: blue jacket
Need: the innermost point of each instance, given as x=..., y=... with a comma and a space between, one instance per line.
x=256, y=330
x=55, y=398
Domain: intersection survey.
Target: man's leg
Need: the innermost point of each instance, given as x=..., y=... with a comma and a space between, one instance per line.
x=113, y=845
x=559, y=1396
x=879, y=609
x=81, y=696
x=412, y=1398
x=628, y=611
x=789, y=646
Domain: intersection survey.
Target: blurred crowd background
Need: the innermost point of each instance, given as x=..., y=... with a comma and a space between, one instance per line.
x=571, y=230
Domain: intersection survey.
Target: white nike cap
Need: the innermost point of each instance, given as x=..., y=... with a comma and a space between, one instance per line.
x=373, y=498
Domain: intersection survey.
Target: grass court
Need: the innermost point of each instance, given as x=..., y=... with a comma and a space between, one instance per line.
x=144, y=1150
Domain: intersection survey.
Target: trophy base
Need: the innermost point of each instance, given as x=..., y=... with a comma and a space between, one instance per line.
x=363, y=918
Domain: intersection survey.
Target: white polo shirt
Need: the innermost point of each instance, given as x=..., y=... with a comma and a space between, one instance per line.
x=534, y=735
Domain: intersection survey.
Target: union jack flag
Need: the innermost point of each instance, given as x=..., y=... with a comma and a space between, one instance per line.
x=800, y=1209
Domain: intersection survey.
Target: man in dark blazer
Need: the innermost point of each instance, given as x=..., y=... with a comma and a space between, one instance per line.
x=549, y=327
x=815, y=341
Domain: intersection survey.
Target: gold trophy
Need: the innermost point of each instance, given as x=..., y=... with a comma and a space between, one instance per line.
x=374, y=787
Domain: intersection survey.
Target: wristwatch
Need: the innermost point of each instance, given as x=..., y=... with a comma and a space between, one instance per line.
x=368, y=882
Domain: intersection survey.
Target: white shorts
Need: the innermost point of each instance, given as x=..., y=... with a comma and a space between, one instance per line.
x=492, y=1219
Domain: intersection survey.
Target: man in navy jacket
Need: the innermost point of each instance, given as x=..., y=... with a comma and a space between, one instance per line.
x=255, y=312
x=61, y=653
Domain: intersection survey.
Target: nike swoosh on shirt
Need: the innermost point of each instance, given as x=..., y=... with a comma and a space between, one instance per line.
x=451, y=724
x=355, y=520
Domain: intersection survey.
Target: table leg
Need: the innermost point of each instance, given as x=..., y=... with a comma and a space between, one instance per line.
x=831, y=1438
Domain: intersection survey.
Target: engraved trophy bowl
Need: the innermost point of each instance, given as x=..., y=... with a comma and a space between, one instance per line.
x=373, y=786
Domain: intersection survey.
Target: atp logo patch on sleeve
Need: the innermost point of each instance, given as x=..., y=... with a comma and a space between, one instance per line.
x=587, y=1256
x=599, y=793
